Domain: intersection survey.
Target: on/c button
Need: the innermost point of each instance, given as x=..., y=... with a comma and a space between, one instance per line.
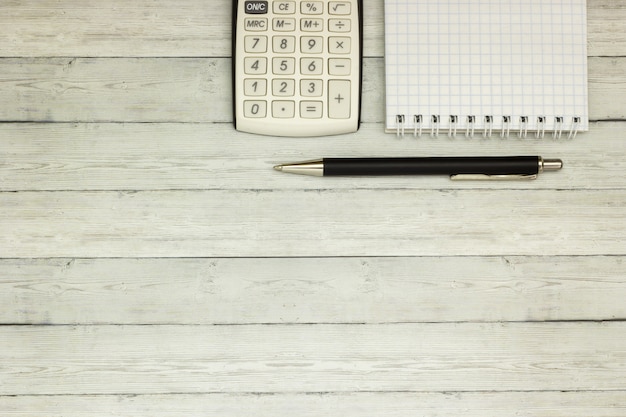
x=256, y=7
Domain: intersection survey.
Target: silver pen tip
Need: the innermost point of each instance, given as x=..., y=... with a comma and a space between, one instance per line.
x=278, y=167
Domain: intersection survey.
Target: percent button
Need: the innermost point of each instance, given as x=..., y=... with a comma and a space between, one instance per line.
x=312, y=7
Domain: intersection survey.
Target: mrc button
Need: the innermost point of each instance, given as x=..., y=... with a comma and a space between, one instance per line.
x=256, y=7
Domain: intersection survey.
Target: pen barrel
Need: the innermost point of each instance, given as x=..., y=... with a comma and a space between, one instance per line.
x=491, y=165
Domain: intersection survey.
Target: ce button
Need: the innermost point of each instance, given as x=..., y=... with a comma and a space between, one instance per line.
x=284, y=7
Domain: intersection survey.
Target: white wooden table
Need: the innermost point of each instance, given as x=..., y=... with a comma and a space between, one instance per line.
x=153, y=264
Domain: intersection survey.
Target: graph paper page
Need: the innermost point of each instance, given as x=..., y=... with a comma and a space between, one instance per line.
x=501, y=64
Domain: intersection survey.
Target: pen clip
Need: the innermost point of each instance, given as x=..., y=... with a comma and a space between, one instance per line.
x=486, y=177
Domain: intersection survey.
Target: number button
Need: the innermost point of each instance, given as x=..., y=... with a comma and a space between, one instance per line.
x=284, y=44
x=256, y=44
x=339, y=66
x=255, y=87
x=339, y=45
x=284, y=7
x=255, y=65
x=311, y=45
x=311, y=88
x=312, y=7
x=339, y=7
x=339, y=25
x=255, y=108
x=311, y=66
x=311, y=109
x=284, y=88
x=284, y=66
x=283, y=109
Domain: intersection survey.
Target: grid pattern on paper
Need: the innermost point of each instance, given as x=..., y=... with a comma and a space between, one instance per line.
x=515, y=58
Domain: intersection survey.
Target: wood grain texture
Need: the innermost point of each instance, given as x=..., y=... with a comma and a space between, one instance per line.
x=311, y=290
x=487, y=404
x=192, y=28
x=320, y=358
x=180, y=156
x=327, y=222
x=152, y=263
x=195, y=90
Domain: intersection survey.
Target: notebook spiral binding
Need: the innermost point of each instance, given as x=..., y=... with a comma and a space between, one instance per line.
x=488, y=128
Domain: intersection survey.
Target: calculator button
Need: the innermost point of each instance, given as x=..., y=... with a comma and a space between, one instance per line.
x=339, y=99
x=311, y=66
x=255, y=108
x=312, y=7
x=255, y=87
x=339, y=7
x=284, y=25
x=256, y=44
x=339, y=66
x=311, y=44
x=339, y=45
x=256, y=7
x=283, y=109
x=312, y=25
x=311, y=109
x=255, y=65
x=339, y=25
x=284, y=44
x=284, y=66
x=284, y=7
x=284, y=88
x=256, y=24
x=311, y=88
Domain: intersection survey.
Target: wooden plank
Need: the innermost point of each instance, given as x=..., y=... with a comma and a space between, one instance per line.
x=327, y=222
x=194, y=28
x=311, y=290
x=313, y=358
x=487, y=404
x=195, y=89
x=143, y=156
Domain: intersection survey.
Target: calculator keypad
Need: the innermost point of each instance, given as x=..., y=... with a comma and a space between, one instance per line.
x=297, y=67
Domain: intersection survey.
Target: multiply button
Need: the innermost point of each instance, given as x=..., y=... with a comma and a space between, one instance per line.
x=339, y=45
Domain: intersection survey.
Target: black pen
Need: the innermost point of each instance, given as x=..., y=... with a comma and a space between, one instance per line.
x=457, y=167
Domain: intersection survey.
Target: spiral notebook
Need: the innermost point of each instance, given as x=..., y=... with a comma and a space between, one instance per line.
x=489, y=67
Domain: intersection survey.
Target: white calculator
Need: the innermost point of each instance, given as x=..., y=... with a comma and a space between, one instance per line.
x=297, y=67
